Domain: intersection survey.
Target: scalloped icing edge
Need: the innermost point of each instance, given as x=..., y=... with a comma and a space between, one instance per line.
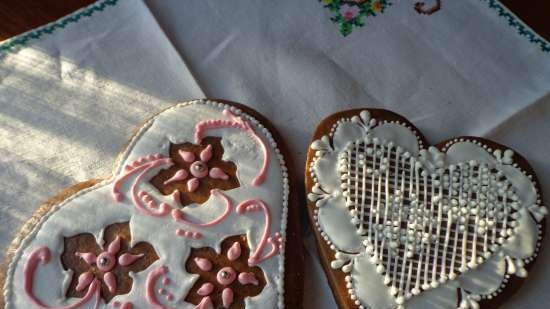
x=345, y=259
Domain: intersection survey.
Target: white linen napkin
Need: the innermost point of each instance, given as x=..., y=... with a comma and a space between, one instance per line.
x=70, y=100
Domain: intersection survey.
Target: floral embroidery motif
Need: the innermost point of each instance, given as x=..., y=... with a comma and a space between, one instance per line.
x=197, y=169
x=351, y=13
x=225, y=279
x=109, y=264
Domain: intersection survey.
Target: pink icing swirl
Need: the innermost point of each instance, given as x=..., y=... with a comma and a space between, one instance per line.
x=142, y=200
x=150, y=283
x=276, y=242
x=179, y=216
x=241, y=124
x=42, y=255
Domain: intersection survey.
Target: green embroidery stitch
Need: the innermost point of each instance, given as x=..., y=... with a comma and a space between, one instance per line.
x=521, y=27
x=350, y=14
x=23, y=39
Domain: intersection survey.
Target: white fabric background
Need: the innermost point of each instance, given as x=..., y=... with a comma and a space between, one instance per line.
x=70, y=100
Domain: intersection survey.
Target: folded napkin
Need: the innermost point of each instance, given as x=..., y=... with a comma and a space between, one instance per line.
x=71, y=94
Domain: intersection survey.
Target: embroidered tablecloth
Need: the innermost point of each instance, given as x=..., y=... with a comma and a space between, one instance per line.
x=72, y=92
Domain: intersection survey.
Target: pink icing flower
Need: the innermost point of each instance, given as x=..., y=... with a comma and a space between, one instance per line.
x=197, y=169
x=349, y=12
x=225, y=275
x=109, y=264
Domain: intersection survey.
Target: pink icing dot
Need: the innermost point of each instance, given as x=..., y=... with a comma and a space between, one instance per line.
x=234, y=252
x=248, y=278
x=105, y=261
x=226, y=276
x=178, y=176
x=205, y=289
x=199, y=169
x=218, y=173
x=187, y=156
x=203, y=264
x=227, y=297
x=192, y=184
x=84, y=281
x=206, y=154
x=127, y=258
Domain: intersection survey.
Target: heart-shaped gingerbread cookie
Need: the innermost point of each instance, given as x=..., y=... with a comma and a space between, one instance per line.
x=196, y=215
x=406, y=225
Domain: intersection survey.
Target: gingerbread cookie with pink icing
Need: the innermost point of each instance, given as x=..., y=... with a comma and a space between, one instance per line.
x=199, y=213
x=402, y=224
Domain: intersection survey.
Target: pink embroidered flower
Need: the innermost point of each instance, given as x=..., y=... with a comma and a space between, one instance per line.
x=349, y=12
x=225, y=280
x=196, y=171
x=110, y=264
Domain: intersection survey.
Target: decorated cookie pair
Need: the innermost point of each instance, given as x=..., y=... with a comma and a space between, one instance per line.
x=200, y=214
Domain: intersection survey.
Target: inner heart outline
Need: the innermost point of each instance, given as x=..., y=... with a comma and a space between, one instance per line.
x=452, y=217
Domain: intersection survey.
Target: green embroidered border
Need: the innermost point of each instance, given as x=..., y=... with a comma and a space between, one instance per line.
x=365, y=10
x=522, y=28
x=23, y=39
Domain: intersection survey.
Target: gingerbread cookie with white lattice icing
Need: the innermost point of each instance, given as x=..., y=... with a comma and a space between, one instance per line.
x=402, y=224
x=199, y=213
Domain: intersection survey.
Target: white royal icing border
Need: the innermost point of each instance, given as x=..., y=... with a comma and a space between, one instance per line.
x=338, y=228
x=144, y=142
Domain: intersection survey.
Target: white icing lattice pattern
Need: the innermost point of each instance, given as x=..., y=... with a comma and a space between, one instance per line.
x=423, y=224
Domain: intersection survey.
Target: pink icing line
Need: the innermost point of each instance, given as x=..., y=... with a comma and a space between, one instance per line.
x=150, y=283
x=42, y=255
x=179, y=216
x=150, y=208
x=243, y=125
x=131, y=169
x=257, y=205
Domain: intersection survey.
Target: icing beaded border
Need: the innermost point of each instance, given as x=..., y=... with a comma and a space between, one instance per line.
x=118, y=166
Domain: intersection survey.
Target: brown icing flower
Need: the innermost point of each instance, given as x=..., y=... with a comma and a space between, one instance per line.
x=225, y=279
x=196, y=171
x=110, y=263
